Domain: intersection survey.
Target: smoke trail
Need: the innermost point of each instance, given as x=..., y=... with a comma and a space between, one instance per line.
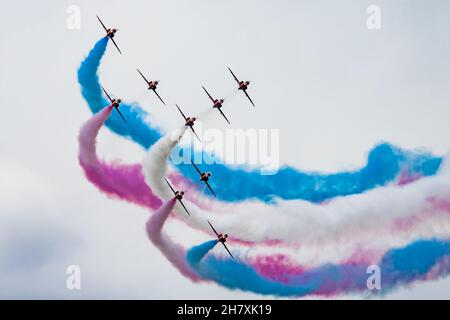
x=122, y=181
x=136, y=127
x=246, y=278
x=420, y=260
x=88, y=78
x=125, y=182
x=361, y=216
x=174, y=253
x=385, y=162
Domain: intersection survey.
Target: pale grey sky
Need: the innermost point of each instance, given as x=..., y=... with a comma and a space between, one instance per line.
x=332, y=87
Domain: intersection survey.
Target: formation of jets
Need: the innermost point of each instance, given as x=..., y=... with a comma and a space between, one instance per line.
x=178, y=195
x=152, y=85
x=217, y=103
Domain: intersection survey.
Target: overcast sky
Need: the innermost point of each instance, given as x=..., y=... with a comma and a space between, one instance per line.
x=332, y=87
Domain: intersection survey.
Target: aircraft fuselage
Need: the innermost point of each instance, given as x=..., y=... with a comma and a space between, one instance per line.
x=243, y=85
x=179, y=195
x=222, y=238
x=205, y=176
x=110, y=33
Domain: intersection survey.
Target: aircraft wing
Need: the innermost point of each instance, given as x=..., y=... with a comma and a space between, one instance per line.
x=181, y=202
x=212, y=228
x=208, y=94
x=102, y=24
x=116, y=45
x=159, y=97
x=210, y=188
x=226, y=248
x=106, y=94
x=196, y=167
x=245, y=91
x=170, y=186
x=235, y=78
x=181, y=112
x=142, y=76
x=195, y=134
x=223, y=115
x=120, y=113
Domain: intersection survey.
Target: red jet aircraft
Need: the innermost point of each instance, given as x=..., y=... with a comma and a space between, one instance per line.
x=217, y=103
x=204, y=176
x=115, y=103
x=243, y=85
x=222, y=238
x=152, y=86
x=189, y=122
x=178, y=196
x=110, y=33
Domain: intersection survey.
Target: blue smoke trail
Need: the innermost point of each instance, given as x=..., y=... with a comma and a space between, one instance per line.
x=222, y=271
x=136, y=127
x=385, y=162
x=402, y=266
x=398, y=266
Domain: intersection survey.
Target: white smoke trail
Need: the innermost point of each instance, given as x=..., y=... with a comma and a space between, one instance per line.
x=355, y=218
